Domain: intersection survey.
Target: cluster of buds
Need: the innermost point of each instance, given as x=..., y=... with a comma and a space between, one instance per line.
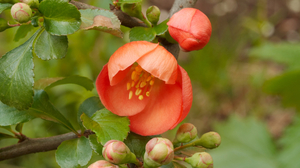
x=160, y=151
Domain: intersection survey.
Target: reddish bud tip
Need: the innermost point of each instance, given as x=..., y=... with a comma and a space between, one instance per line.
x=190, y=28
x=117, y=152
x=185, y=133
x=21, y=12
x=103, y=164
x=200, y=160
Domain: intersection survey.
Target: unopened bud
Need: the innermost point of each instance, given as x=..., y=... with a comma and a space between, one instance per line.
x=133, y=9
x=200, y=160
x=209, y=140
x=117, y=152
x=103, y=164
x=21, y=12
x=32, y=3
x=153, y=14
x=185, y=133
x=3, y=25
x=159, y=151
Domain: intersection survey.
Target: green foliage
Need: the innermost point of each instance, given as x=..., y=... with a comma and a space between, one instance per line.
x=47, y=46
x=102, y=20
x=245, y=143
x=137, y=143
x=286, y=53
x=5, y=136
x=289, y=156
x=89, y=107
x=10, y=115
x=72, y=153
x=148, y=34
x=16, y=76
x=106, y=125
x=43, y=108
x=4, y=6
x=22, y=31
x=60, y=17
x=96, y=146
x=129, y=1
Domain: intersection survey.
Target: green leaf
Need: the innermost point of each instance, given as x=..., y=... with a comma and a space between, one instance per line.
x=48, y=83
x=137, y=143
x=286, y=53
x=22, y=31
x=245, y=143
x=43, y=108
x=142, y=34
x=102, y=20
x=288, y=157
x=60, y=17
x=47, y=46
x=89, y=107
x=107, y=125
x=16, y=76
x=19, y=127
x=287, y=86
x=4, y=6
x=96, y=146
x=11, y=116
x=72, y=153
x=161, y=28
x=5, y=136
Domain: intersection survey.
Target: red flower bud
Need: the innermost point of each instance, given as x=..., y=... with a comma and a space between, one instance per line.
x=200, y=160
x=21, y=12
x=117, y=152
x=103, y=164
x=185, y=133
x=190, y=28
x=159, y=151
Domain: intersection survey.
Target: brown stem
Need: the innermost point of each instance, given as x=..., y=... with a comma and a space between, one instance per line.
x=125, y=19
x=29, y=145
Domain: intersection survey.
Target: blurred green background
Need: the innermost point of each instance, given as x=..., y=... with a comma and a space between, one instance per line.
x=246, y=82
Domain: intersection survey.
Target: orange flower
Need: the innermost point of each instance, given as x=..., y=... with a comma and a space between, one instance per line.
x=190, y=28
x=143, y=81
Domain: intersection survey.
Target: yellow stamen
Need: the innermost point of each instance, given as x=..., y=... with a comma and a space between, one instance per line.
x=138, y=91
x=149, y=78
x=133, y=75
x=143, y=84
x=148, y=94
x=128, y=85
x=141, y=97
x=132, y=83
x=130, y=94
x=152, y=82
x=138, y=69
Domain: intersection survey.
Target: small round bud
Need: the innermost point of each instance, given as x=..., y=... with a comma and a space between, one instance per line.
x=190, y=28
x=200, y=160
x=21, y=12
x=32, y=3
x=185, y=133
x=159, y=151
x=103, y=164
x=209, y=140
x=153, y=14
x=117, y=152
x=133, y=9
x=3, y=25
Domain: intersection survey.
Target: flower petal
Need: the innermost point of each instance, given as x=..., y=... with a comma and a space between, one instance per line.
x=115, y=98
x=125, y=56
x=183, y=16
x=187, y=93
x=161, y=64
x=162, y=112
x=201, y=27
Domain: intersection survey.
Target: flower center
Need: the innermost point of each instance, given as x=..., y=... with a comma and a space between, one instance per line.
x=141, y=83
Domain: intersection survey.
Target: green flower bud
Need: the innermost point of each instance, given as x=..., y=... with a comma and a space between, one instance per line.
x=32, y=3
x=3, y=25
x=153, y=14
x=117, y=152
x=209, y=140
x=133, y=9
x=103, y=164
x=21, y=12
x=185, y=133
x=159, y=151
x=200, y=160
